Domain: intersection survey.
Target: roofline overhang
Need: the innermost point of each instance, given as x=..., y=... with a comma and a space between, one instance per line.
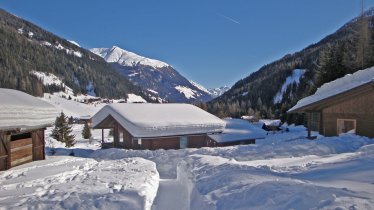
x=329, y=101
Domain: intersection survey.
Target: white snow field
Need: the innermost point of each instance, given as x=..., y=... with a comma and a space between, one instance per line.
x=295, y=77
x=283, y=171
x=126, y=58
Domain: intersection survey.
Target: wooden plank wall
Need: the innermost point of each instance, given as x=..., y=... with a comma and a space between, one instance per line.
x=4, y=150
x=21, y=151
x=38, y=145
x=359, y=108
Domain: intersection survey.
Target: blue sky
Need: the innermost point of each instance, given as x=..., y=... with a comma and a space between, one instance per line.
x=213, y=42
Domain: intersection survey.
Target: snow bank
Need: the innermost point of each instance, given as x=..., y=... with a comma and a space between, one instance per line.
x=150, y=120
x=338, y=86
x=80, y=183
x=237, y=130
x=283, y=171
x=20, y=110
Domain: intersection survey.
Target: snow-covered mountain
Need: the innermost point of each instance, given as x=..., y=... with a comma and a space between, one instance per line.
x=213, y=92
x=155, y=76
x=216, y=92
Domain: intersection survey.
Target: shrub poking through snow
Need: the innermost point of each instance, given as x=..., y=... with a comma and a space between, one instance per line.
x=86, y=132
x=62, y=131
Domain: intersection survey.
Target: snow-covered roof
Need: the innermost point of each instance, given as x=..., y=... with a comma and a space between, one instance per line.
x=246, y=117
x=238, y=130
x=19, y=110
x=341, y=85
x=152, y=120
x=269, y=122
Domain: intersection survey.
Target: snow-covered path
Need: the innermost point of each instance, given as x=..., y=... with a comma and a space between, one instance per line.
x=171, y=195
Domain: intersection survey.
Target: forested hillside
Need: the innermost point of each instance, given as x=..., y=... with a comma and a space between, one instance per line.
x=266, y=92
x=25, y=47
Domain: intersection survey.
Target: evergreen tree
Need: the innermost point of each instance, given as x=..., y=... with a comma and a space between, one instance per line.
x=63, y=131
x=57, y=130
x=86, y=132
x=71, y=120
x=331, y=65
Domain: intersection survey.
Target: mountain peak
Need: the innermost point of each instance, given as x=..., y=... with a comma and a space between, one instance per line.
x=116, y=54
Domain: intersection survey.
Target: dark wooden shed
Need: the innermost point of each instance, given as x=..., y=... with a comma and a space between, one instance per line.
x=341, y=106
x=23, y=119
x=19, y=147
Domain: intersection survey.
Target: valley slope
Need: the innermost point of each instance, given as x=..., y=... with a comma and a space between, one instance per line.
x=276, y=87
x=25, y=47
x=155, y=76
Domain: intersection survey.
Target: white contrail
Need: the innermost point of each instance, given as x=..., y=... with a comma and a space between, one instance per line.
x=229, y=18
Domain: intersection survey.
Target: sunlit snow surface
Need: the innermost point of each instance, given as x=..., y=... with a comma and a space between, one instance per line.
x=295, y=77
x=126, y=58
x=19, y=110
x=283, y=171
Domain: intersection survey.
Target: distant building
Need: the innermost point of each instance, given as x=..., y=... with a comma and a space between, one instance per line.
x=250, y=118
x=160, y=126
x=270, y=125
x=85, y=119
x=341, y=106
x=237, y=131
x=23, y=119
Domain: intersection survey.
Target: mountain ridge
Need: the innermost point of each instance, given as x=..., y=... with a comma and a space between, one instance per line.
x=153, y=75
x=256, y=92
x=26, y=47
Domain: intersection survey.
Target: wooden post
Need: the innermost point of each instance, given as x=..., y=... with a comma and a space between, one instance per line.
x=309, y=115
x=102, y=136
x=115, y=136
x=7, y=143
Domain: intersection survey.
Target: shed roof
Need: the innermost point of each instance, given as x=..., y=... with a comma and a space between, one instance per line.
x=238, y=130
x=270, y=122
x=336, y=87
x=19, y=110
x=153, y=120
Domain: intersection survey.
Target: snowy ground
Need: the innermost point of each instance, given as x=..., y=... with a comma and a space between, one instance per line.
x=283, y=171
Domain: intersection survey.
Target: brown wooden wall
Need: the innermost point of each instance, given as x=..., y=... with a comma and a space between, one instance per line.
x=360, y=108
x=4, y=148
x=20, y=151
x=198, y=141
x=233, y=143
x=38, y=142
x=160, y=143
x=173, y=142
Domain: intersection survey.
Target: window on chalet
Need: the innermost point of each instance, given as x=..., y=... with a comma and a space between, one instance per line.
x=314, y=121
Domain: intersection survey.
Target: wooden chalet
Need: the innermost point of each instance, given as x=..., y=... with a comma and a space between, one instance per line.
x=23, y=119
x=160, y=126
x=341, y=106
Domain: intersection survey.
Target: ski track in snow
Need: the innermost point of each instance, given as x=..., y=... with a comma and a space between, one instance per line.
x=283, y=171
